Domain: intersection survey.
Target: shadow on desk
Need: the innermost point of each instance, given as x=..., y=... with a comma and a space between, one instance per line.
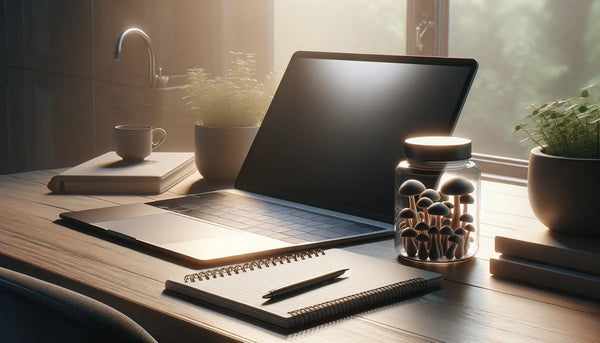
x=203, y=185
x=452, y=271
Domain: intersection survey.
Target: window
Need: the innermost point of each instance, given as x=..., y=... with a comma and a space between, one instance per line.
x=528, y=51
x=361, y=26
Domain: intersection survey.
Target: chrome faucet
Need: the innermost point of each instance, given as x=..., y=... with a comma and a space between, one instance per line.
x=154, y=80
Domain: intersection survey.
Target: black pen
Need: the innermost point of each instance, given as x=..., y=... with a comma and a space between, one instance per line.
x=303, y=284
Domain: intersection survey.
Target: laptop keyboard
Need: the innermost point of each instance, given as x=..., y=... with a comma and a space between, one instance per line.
x=265, y=218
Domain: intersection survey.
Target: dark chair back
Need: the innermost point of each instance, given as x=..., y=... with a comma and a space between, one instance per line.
x=32, y=310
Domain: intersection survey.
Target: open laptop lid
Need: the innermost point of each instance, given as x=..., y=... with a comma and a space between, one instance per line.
x=335, y=129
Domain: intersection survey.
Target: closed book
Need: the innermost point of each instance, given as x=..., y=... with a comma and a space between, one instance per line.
x=367, y=283
x=546, y=276
x=110, y=174
x=538, y=244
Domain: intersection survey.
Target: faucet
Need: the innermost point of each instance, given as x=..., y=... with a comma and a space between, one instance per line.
x=154, y=80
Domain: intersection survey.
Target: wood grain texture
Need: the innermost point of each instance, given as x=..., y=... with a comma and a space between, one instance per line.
x=471, y=306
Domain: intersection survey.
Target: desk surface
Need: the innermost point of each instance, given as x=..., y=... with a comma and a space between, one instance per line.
x=472, y=306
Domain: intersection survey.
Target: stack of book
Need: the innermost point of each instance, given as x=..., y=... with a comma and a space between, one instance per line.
x=541, y=257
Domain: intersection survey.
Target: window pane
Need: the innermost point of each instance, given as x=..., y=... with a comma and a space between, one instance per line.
x=359, y=26
x=529, y=52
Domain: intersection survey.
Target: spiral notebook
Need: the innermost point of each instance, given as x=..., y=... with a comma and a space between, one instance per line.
x=368, y=283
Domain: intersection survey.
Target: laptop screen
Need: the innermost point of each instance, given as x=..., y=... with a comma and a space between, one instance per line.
x=335, y=129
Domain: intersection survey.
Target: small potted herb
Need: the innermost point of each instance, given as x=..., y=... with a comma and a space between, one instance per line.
x=229, y=109
x=564, y=168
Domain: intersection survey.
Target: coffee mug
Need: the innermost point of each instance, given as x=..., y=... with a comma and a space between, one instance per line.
x=136, y=142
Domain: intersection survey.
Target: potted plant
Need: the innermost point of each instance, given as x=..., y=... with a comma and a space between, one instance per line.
x=229, y=109
x=564, y=169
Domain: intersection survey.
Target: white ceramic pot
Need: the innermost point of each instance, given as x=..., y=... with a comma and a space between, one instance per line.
x=564, y=192
x=220, y=151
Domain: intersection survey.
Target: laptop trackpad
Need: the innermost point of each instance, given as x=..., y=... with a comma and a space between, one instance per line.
x=190, y=236
x=165, y=228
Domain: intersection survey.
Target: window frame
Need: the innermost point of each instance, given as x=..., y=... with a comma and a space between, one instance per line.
x=435, y=42
x=502, y=169
x=428, y=20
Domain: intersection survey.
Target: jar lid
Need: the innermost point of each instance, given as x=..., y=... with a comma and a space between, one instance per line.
x=437, y=148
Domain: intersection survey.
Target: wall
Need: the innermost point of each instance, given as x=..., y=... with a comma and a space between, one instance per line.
x=61, y=93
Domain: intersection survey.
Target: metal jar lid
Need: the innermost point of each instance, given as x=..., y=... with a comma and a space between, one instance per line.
x=437, y=148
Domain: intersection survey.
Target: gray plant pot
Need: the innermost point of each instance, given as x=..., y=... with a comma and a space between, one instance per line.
x=220, y=151
x=564, y=193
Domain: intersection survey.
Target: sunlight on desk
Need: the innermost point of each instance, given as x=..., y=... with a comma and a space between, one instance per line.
x=470, y=306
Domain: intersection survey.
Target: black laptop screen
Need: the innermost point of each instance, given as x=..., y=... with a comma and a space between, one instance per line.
x=335, y=129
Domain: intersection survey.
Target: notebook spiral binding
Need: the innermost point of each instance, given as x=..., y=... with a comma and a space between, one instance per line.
x=360, y=301
x=250, y=266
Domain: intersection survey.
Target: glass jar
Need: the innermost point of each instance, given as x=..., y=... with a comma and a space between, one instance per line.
x=437, y=201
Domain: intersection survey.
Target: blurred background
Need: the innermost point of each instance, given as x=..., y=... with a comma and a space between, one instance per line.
x=61, y=92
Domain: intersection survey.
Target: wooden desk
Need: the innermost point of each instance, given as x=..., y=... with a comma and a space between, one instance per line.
x=472, y=306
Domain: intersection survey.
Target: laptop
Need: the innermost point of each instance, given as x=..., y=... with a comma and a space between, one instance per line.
x=320, y=171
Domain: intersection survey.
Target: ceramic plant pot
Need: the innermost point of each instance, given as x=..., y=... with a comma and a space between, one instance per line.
x=564, y=192
x=220, y=151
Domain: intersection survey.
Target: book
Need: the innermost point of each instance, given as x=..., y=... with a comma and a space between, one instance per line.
x=539, y=244
x=110, y=174
x=367, y=283
x=546, y=276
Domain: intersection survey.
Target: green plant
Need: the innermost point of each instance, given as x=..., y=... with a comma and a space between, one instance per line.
x=568, y=127
x=236, y=99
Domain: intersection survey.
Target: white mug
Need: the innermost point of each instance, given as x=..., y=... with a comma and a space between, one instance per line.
x=136, y=142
